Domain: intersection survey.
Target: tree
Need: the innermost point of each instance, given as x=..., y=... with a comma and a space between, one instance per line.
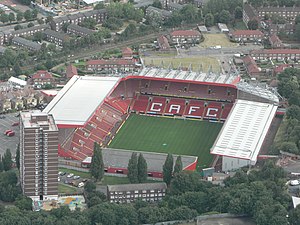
x=30, y=25
x=293, y=112
x=142, y=169
x=99, y=6
x=1, y=164
x=225, y=16
x=49, y=19
x=238, y=12
x=133, y=168
x=18, y=27
x=27, y=15
x=18, y=157
x=4, y=18
x=23, y=203
x=40, y=21
x=168, y=169
x=209, y=20
x=297, y=31
x=252, y=25
x=297, y=20
x=20, y=16
x=90, y=186
x=97, y=165
x=183, y=213
x=7, y=160
x=157, y=4
x=11, y=17
x=89, y=23
x=289, y=147
x=178, y=165
x=295, y=216
x=34, y=13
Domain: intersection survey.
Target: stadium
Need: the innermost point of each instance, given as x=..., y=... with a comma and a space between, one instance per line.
x=203, y=118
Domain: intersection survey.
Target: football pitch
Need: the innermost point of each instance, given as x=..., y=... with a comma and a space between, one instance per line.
x=168, y=135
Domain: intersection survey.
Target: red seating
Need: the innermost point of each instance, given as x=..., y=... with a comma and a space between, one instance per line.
x=195, y=108
x=175, y=106
x=140, y=104
x=226, y=110
x=213, y=110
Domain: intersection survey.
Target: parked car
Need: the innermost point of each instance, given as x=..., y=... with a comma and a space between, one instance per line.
x=10, y=134
x=81, y=184
x=62, y=173
x=2, y=117
x=76, y=177
x=7, y=131
x=58, y=179
x=70, y=175
x=15, y=124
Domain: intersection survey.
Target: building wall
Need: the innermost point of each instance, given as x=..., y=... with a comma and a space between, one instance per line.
x=229, y=163
x=38, y=162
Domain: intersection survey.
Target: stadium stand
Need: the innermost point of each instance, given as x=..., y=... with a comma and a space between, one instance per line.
x=157, y=92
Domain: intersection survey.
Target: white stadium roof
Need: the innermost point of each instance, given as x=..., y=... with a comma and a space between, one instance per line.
x=245, y=129
x=79, y=98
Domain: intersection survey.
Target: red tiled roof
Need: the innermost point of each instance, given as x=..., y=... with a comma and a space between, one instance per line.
x=274, y=39
x=185, y=33
x=247, y=32
x=42, y=74
x=251, y=65
x=281, y=68
x=276, y=51
x=111, y=62
x=127, y=50
x=71, y=71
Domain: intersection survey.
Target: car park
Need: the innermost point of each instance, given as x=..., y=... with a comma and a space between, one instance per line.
x=70, y=175
x=76, y=177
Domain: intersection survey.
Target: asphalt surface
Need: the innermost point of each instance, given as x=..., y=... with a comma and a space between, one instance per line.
x=5, y=141
x=226, y=221
x=66, y=181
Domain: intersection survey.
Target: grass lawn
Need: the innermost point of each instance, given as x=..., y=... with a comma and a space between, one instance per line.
x=80, y=63
x=66, y=189
x=111, y=180
x=216, y=39
x=168, y=135
x=206, y=62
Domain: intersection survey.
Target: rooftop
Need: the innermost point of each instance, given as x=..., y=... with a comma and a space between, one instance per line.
x=27, y=43
x=55, y=34
x=81, y=29
x=185, y=33
x=81, y=95
x=247, y=32
x=27, y=116
x=137, y=187
x=244, y=131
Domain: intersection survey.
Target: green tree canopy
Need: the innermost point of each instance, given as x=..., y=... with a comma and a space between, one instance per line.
x=142, y=169
x=133, y=168
x=7, y=160
x=97, y=165
x=168, y=169
x=178, y=165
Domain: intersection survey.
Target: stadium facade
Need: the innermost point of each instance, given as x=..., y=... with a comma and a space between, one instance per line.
x=92, y=109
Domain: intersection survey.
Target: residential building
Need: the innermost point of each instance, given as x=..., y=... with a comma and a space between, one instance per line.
x=77, y=30
x=275, y=42
x=41, y=78
x=16, y=82
x=277, y=54
x=98, y=15
x=288, y=13
x=55, y=37
x=175, y=6
x=287, y=28
x=142, y=3
x=111, y=65
x=127, y=53
x=249, y=14
x=163, y=43
x=202, y=29
x=185, y=36
x=223, y=27
x=22, y=42
x=1, y=38
x=5, y=103
x=30, y=31
x=161, y=13
x=251, y=67
x=38, y=155
x=127, y=193
x=71, y=71
x=247, y=36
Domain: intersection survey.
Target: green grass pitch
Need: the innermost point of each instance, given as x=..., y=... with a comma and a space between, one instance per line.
x=168, y=135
